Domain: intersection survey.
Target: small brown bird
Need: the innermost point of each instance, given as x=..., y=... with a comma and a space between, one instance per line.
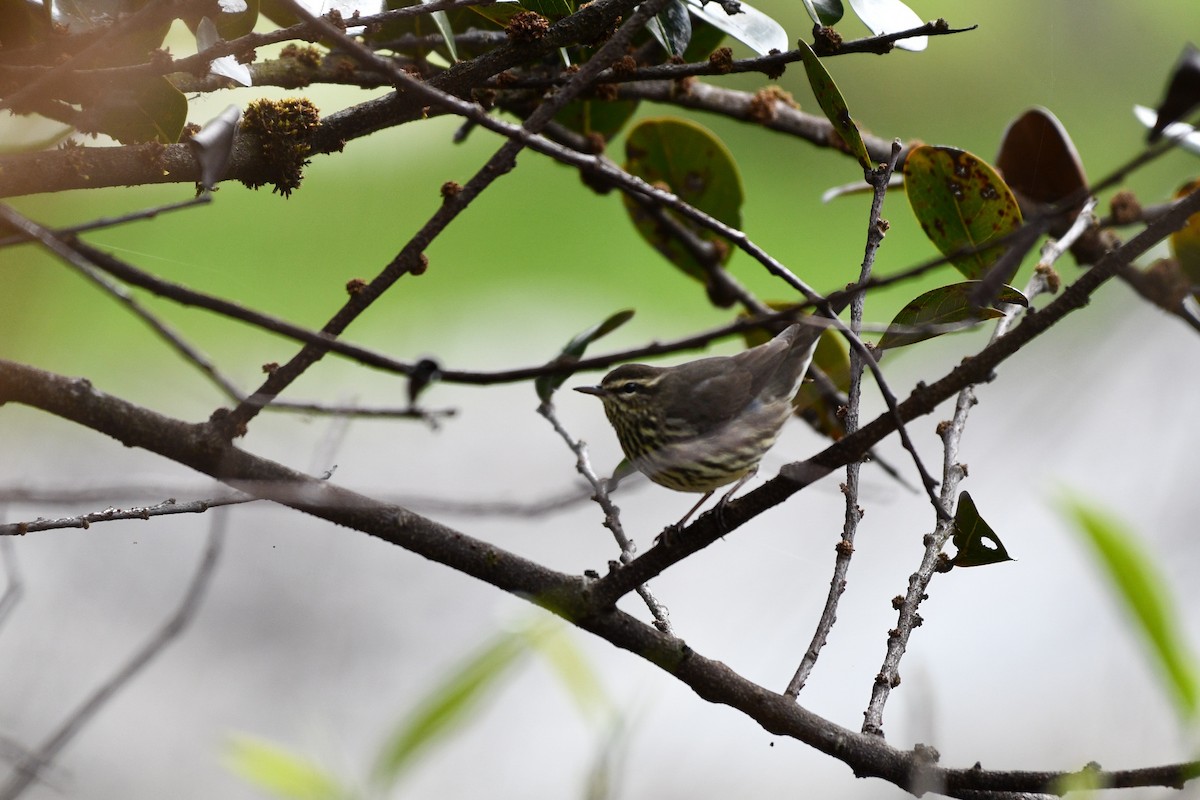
x=705, y=424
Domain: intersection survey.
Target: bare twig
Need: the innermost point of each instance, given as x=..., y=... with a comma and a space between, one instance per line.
x=923, y=400
x=14, y=584
x=573, y=598
x=27, y=770
x=165, y=508
x=612, y=514
x=953, y=473
x=879, y=179
x=411, y=257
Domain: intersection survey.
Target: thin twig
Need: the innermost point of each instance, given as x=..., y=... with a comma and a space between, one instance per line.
x=14, y=584
x=612, y=514
x=569, y=596
x=796, y=476
x=879, y=179
x=109, y=222
x=27, y=770
x=953, y=473
x=411, y=256
x=85, y=521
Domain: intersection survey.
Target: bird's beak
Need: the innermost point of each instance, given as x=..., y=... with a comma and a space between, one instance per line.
x=596, y=390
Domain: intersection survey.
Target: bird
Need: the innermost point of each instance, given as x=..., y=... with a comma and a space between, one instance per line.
x=705, y=424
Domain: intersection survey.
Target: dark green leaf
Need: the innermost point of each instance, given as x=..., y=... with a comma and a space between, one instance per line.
x=692, y=163
x=144, y=110
x=706, y=38
x=834, y=105
x=940, y=311
x=824, y=12
x=962, y=204
x=605, y=117
x=672, y=27
x=547, y=385
x=1139, y=586
x=977, y=543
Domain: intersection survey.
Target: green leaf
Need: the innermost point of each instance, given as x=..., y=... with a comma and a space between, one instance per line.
x=834, y=105
x=751, y=27
x=550, y=641
x=696, y=166
x=962, y=204
x=280, y=772
x=605, y=117
x=442, y=22
x=144, y=110
x=929, y=314
x=977, y=543
x=824, y=12
x=1139, y=586
x=445, y=709
x=547, y=385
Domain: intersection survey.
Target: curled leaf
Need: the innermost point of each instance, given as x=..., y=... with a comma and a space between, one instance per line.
x=891, y=16
x=751, y=27
x=834, y=105
x=212, y=146
x=943, y=310
x=1183, y=92
x=547, y=385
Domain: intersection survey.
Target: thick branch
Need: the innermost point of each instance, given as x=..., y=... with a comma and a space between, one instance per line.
x=570, y=597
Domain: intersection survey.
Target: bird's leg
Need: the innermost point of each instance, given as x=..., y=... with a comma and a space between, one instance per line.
x=672, y=530
x=719, y=508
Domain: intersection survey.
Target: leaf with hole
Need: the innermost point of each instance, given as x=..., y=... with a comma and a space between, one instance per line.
x=695, y=165
x=946, y=309
x=977, y=543
x=547, y=385
x=834, y=105
x=962, y=205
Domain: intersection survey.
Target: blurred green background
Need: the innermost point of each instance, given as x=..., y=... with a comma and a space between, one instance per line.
x=541, y=253
x=321, y=639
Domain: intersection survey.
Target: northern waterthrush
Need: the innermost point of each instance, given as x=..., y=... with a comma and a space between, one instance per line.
x=705, y=424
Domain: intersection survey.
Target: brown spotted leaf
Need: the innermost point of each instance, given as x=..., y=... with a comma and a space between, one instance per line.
x=962, y=205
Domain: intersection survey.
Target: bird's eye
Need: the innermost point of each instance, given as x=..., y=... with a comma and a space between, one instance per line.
x=630, y=388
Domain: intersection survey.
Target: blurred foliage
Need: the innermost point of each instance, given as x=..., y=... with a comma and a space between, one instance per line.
x=591, y=256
